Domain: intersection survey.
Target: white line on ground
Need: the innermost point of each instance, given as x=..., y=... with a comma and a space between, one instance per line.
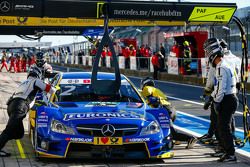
x=175, y=83
x=171, y=82
x=202, y=119
x=193, y=102
x=239, y=151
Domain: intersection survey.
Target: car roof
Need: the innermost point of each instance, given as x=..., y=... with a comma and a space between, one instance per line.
x=87, y=75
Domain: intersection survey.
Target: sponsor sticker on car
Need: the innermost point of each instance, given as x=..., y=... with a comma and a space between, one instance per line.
x=75, y=81
x=74, y=116
x=137, y=140
x=84, y=140
x=108, y=141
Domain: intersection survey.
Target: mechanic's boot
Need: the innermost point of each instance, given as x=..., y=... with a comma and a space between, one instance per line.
x=238, y=142
x=227, y=158
x=206, y=139
x=176, y=142
x=3, y=140
x=191, y=143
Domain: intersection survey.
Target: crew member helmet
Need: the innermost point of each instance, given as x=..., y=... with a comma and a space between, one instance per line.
x=186, y=43
x=147, y=82
x=212, y=49
x=40, y=59
x=35, y=72
x=223, y=43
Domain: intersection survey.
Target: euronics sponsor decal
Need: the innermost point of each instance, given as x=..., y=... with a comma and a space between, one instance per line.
x=74, y=116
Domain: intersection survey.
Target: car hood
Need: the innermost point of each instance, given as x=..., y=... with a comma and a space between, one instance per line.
x=94, y=110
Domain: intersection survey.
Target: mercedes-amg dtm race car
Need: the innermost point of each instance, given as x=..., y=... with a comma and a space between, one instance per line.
x=76, y=122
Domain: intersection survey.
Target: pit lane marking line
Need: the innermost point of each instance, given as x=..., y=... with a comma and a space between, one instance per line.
x=202, y=119
x=193, y=102
x=239, y=150
x=175, y=83
x=20, y=148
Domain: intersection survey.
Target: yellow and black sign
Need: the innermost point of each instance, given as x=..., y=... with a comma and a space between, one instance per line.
x=129, y=10
x=75, y=22
x=108, y=141
x=212, y=14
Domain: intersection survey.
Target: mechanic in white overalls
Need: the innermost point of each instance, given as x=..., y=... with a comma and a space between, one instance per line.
x=20, y=103
x=234, y=61
x=225, y=101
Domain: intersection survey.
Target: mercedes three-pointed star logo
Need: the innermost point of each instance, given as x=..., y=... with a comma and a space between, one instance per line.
x=108, y=130
x=5, y=6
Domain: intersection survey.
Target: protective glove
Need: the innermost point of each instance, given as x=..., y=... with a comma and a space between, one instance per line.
x=238, y=86
x=217, y=107
x=207, y=91
x=207, y=103
x=154, y=101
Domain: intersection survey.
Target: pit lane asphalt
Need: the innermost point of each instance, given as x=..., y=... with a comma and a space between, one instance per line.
x=183, y=157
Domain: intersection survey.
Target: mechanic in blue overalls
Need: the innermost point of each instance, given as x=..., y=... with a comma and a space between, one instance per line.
x=19, y=104
x=149, y=90
x=225, y=101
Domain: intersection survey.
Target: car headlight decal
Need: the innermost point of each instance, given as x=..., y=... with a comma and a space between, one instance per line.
x=152, y=128
x=59, y=127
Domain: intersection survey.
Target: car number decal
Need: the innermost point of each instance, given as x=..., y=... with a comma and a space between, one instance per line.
x=69, y=90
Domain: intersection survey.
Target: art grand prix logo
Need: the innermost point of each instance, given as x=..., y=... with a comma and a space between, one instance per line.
x=5, y=6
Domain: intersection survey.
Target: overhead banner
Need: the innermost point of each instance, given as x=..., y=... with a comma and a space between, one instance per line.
x=21, y=8
x=130, y=10
x=77, y=22
x=170, y=11
x=50, y=8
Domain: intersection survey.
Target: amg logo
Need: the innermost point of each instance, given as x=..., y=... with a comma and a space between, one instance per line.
x=74, y=116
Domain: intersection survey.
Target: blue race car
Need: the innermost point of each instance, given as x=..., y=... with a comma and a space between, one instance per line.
x=77, y=123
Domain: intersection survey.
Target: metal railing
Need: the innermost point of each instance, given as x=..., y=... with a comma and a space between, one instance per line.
x=172, y=65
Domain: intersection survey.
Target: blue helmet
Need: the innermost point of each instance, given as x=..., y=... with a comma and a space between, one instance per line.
x=40, y=59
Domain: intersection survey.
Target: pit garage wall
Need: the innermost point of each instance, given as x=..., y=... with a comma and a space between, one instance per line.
x=153, y=38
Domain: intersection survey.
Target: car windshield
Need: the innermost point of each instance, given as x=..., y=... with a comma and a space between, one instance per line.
x=83, y=92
